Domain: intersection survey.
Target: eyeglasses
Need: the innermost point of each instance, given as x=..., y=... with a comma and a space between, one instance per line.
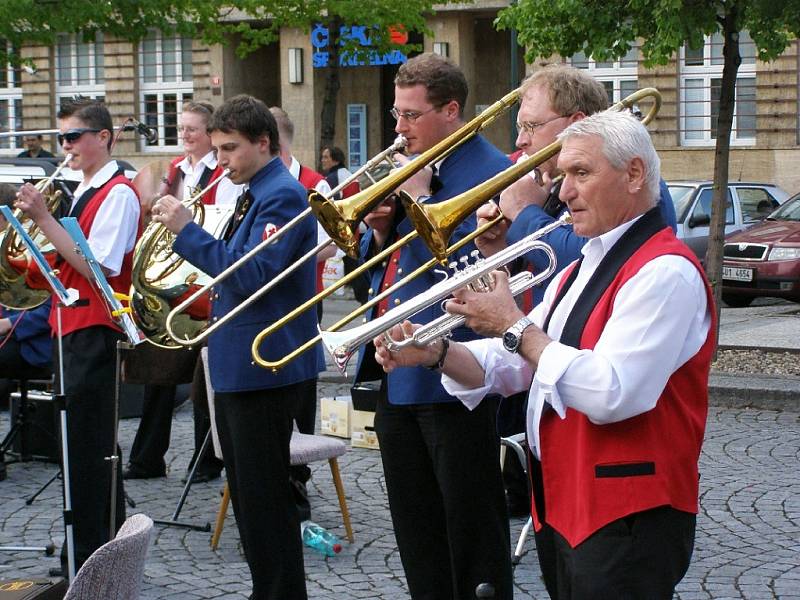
x=73, y=135
x=530, y=127
x=411, y=115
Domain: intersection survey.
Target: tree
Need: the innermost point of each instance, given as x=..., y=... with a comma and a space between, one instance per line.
x=608, y=29
x=256, y=22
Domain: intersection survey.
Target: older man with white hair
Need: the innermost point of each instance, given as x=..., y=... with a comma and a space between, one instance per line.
x=615, y=361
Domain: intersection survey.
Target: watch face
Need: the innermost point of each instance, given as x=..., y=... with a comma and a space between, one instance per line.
x=510, y=341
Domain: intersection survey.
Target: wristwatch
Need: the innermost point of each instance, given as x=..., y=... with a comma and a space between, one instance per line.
x=512, y=338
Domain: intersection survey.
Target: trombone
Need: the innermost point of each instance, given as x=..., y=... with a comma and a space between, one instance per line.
x=436, y=223
x=352, y=205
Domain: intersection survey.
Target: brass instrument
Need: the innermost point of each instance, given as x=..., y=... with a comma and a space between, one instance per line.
x=478, y=276
x=159, y=276
x=436, y=223
x=355, y=211
x=15, y=293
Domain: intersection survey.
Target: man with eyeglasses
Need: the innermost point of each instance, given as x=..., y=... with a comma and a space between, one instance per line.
x=192, y=171
x=440, y=460
x=107, y=208
x=551, y=99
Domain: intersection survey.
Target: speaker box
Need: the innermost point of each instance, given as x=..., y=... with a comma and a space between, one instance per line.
x=40, y=433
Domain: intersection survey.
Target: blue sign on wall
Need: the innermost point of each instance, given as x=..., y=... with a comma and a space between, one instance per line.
x=320, y=40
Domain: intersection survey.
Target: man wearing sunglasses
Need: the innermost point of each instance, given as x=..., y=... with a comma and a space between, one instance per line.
x=440, y=460
x=107, y=208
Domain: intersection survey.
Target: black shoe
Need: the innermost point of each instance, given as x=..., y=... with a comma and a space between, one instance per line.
x=134, y=472
x=202, y=476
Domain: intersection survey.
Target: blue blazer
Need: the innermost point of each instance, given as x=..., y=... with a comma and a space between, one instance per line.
x=33, y=333
x=471, y=164
x=564, y=241
x=277, y=198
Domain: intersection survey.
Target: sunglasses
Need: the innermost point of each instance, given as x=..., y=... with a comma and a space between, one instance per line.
x=73, y=135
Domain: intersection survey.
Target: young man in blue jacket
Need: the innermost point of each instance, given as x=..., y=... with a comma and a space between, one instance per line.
x=440, y=460
x=254, y=406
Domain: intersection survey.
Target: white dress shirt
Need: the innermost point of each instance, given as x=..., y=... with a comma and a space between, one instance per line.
x=323, y=187
x=113, y=232
x=227, y=191
x=660, y=319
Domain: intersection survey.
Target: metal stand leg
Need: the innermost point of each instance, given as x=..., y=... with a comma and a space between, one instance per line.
x=174, y=521
x=30, y=499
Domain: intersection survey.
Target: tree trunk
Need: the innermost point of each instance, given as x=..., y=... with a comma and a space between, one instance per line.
x=727, y=99
x=331, y=96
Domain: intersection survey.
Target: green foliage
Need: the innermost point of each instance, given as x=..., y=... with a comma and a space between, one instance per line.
x=254, y=22
x=607, y=29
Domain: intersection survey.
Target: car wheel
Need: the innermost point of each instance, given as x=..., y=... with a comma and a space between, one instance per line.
x=735, y=301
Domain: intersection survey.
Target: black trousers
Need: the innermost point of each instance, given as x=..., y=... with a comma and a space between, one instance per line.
x=89, y=384
x=152, y=437
x=442, y=468
x=13, y=366
x=643, y=555
x=254, y=430
x=305, y=416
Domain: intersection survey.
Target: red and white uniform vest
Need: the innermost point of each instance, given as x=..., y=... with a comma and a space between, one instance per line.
x=595, y=474
x=95, y=312
x=210, y=197
x=309, y=179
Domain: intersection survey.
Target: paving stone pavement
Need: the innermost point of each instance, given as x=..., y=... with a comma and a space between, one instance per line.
x=748, y=540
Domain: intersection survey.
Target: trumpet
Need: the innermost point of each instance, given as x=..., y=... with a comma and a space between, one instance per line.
x=159, y=275
x=15, y=292
x=477, y=276
x=336, y=207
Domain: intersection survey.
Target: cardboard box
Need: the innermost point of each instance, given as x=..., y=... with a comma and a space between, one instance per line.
x=362, y=430
x=335, y=415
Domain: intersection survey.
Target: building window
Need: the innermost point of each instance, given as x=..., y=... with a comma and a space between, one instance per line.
x=701, y=80
x=10, y=105
x=619, y=77
x=165, y=72
x=356, y=135
x=79, y=68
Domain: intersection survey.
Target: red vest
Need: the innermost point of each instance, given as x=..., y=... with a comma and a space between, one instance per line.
x=96, y=311
x=595, y=474
x=309, y=178
x=210, y=197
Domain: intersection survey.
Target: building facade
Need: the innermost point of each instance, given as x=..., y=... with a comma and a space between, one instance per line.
x=150, y=80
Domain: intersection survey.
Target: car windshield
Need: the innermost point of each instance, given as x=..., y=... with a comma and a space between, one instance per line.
x=681, y=198
x=789, y=211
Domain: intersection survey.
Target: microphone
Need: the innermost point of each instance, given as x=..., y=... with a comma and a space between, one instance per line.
x=148, y=133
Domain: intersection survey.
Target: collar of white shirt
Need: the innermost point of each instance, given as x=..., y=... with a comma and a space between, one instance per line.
x=99, y=180
x=209, y=160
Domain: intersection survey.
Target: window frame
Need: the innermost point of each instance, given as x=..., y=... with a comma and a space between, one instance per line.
x=180, y=85
x=707, y=73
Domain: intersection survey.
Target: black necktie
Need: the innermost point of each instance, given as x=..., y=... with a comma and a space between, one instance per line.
x=436, y=183
x=242, y=204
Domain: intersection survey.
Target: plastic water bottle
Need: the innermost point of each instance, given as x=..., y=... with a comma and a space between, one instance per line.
x=319, y=539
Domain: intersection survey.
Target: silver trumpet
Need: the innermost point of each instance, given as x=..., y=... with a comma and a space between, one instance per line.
x=477, y=276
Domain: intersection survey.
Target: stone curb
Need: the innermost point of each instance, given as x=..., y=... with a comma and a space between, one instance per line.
x=769, y=392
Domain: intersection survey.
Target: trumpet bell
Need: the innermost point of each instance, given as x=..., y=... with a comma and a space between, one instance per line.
x=340, y=218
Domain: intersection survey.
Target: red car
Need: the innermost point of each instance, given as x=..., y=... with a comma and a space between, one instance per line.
x=764, y=260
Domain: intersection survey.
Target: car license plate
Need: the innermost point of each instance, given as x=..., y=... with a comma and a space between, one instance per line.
x=737, y=274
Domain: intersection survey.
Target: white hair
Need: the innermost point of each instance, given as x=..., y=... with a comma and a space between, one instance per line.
x=624, y=138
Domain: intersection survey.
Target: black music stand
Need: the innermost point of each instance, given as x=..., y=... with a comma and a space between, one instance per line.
x=173, y=522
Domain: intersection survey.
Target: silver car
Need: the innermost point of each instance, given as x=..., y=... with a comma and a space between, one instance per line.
x=747, y=203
